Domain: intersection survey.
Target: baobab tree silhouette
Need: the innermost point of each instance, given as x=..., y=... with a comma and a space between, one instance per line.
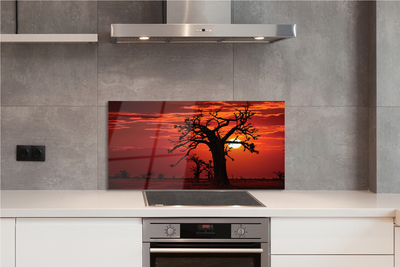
x=215, y=132
x=280, y=174
x=209, y=170
x=199, y=167
x=123, y=174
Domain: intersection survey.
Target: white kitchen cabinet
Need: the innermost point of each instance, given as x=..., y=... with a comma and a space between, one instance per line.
x=7, y=237
x=78, y=242
x=345, y=236
x=332, y=260
x=397, y=246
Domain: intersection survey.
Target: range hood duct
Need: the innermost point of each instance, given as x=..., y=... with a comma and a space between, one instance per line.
x=200, y=22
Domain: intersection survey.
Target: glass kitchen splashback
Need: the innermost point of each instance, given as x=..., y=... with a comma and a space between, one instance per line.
x=196, y=145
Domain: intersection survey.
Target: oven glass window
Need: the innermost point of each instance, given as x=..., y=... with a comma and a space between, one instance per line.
x=205, y=260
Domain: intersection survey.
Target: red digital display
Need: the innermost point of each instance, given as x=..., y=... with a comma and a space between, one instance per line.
x=205, y=227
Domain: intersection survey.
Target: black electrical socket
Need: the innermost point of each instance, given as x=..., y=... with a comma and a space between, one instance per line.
x=23, y=153
x=38, y=153
x=31, y=153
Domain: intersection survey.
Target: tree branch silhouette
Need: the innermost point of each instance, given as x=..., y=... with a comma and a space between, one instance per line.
x=210, y=132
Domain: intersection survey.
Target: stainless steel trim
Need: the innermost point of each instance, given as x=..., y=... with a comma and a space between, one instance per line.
x=265, y=256
x=146, y=202
x=146, y=255
x=198, y=240
x=253, y=220
x=258, y=201
x=212, y=12
x=263, y=240
x=260, y=229
x=206, y=250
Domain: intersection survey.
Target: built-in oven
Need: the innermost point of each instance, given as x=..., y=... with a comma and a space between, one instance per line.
x=206, y=242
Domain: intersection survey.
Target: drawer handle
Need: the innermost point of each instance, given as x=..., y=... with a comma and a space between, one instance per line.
x=206, y=250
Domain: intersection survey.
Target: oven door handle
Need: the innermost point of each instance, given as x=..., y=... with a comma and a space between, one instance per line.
x=206, y=250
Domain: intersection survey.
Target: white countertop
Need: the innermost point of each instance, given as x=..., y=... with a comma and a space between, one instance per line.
x=279, y=203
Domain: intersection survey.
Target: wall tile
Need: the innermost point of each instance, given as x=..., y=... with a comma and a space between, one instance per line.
x=387, y=110
x=253, y=12
x=102, y=148
x=7, y=17
x=165, y=72
x=372, y=163
x=388, y=149
x=135, y=12
x=49, y=75
x=57, y=17
x=70, y=137
x=325, y=65
x=372, y=104
x=373, y=59
x=326, y=148
x=388, y=56
x=158, y=71
x=0, y=141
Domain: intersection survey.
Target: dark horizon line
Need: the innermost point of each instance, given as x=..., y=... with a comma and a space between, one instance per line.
x=144, y=157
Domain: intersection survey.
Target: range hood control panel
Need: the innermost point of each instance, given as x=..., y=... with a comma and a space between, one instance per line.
x=203, y=30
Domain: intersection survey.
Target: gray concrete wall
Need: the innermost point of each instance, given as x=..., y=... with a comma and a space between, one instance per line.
x=372, y=104
x=56, y=94
x=387, y=97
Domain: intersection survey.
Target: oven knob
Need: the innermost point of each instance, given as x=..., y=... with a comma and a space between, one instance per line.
x=170, y=231
x=241, y=231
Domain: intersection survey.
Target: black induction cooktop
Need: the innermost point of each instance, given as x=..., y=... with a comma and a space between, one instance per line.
x=200, y=198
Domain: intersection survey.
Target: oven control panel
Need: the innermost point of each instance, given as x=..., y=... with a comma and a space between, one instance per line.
x=213, y=230
x=165, y=230
x=240, y=230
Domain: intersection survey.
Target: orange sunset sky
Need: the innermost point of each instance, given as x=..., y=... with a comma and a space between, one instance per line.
x=139, y=134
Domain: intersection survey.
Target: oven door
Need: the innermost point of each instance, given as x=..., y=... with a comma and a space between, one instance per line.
x=205, y=254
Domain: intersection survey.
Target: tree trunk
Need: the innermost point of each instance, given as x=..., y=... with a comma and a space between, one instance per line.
x=220, y=173
x=197, y=176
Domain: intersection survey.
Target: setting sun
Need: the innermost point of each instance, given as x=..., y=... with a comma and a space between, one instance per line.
x=235, y=143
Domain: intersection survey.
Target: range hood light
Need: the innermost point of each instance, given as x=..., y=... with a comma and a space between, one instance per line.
x=259, y=38
x=144, y=38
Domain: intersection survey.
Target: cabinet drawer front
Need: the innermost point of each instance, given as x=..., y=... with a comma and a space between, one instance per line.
x=332, y=236
x=331, y=261
x=78, y=242
x=7, y=245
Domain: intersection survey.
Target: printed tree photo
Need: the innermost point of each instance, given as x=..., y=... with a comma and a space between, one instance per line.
x=196, y=145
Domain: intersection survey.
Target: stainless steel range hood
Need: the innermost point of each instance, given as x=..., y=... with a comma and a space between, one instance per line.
x=200, y=22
